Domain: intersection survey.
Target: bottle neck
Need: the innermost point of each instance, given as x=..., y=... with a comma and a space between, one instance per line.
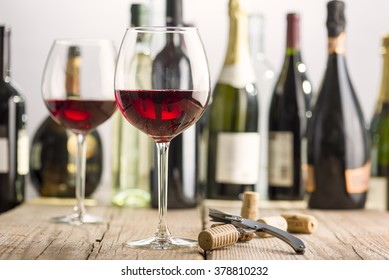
x=139, y=15
x=256, y=36
x=238, y=48
x=5, y=53
x=72, y=81
x=174, y=17
x=384, y=90
x=293, y=34
x=174, y=13
x=336, y=45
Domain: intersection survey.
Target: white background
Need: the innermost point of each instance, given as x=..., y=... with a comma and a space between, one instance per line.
x=35, y=24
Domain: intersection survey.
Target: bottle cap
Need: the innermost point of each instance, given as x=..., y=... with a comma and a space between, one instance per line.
x=5, y=33
x=139, y=15
x=74, y=51
x=174, y=14
x=336, y=21
x=238, y=6
x=293, y=30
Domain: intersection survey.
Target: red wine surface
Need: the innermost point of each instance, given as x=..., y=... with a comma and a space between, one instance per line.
x=162, y=114
x=80, y=115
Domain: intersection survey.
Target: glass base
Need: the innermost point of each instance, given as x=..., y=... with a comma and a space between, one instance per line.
x=77, y=219
x=172, y=243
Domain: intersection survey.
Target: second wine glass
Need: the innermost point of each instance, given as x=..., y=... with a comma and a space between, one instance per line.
x=77, y=88
x=162, y=87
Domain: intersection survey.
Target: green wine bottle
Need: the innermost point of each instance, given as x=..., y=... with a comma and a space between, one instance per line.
x=379, y=128
x=233, y=151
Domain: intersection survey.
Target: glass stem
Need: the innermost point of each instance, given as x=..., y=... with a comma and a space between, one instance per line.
x=79, y=208
x=162, y=233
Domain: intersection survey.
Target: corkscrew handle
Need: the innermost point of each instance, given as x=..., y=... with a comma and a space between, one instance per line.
x=296, y=243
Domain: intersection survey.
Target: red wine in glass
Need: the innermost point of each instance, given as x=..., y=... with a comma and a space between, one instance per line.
x=80, y=115
x=162, y=114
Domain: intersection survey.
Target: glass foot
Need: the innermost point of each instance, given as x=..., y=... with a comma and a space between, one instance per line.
x=77, y=219
x=172, y=243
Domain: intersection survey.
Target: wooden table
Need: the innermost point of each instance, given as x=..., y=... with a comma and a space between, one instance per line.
x=26, y=233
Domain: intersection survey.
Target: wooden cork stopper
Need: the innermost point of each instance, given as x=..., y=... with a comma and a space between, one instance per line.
x=275, y=221
x=250, y=201
x=218, y=237
x=244, y=236
x=300, y=223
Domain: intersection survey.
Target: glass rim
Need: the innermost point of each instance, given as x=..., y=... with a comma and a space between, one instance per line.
x=162, y=29
x=82, y=41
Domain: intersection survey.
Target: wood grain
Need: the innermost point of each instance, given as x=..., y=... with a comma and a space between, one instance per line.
x=26, y=233
x=341, y=235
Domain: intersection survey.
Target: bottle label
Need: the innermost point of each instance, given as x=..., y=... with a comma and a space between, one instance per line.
x=36, y=151
x=281, y=159
x=309, y=178
x=237, y=158
x=237, y=75
x=23, y=152
x=357, y=179
x=90, y=142
x=4, y=160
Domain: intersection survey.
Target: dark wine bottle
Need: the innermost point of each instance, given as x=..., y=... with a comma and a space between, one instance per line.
x=233, y=148
x=53, y=150
x=338, y=149
x=14, y=144
x=290, y=109
x=379, y=128
x=183, y=184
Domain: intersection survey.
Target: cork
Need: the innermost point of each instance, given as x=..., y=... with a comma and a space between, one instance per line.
x=250, y=205
x=275, y=221
x=218, y=237
x=244, y=235
x=300, y=223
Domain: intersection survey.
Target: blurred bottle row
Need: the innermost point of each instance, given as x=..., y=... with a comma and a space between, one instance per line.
x=261, y=132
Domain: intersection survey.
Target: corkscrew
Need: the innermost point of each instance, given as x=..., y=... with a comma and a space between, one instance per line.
x=250, y=225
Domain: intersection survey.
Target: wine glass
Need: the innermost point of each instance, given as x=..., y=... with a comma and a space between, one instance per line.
x=162, y=87
x=77, y=89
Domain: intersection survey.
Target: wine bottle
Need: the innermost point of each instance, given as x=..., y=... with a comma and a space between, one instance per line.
x=183, y=161
x=338, y=149
x=265, y=76
x=379, y=128
x=132, y=150
x=183, y=184
x=53, y=150
x=233, y=153
x=14, y=144
x=290, y=109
